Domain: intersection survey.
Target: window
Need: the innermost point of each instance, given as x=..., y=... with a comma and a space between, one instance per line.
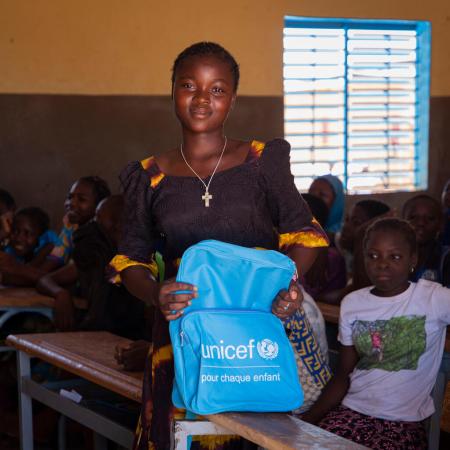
x=356, y=102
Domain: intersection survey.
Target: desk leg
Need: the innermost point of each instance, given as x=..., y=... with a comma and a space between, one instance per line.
x=182, y=429
x=62, y=432
x=100, y=442
x=26, y=414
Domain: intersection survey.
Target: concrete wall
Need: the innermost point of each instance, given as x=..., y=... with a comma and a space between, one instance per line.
x=84, y=84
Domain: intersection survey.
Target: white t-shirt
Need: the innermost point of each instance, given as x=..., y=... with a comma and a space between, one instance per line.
x=400, y=341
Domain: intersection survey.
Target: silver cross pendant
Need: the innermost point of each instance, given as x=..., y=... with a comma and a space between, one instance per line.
x=206, y=198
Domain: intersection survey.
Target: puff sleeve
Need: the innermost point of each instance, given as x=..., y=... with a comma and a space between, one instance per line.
x=290, y=214
x=136, y=245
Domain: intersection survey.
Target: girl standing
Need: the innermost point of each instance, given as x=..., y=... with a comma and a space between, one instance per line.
x=209, y=187
x=392, y=336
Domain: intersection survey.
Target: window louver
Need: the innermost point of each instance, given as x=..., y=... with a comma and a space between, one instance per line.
x=356, y=99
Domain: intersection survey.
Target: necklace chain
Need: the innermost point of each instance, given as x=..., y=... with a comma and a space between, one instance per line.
x=207, y=197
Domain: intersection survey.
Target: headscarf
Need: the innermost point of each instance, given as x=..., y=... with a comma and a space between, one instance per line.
x=336, y=214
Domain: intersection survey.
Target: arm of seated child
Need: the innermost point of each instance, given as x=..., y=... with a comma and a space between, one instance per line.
x=55, y=284
x=51, y=283
x=15, y=273
x=41, y=256
x=132, y=356
x=335, y=390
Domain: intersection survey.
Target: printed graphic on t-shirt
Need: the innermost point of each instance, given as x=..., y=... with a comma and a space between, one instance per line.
x=391, y=345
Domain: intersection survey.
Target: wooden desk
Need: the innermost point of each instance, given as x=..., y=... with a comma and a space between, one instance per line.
x=15, y=300
x=29, y=297
x=90, y=356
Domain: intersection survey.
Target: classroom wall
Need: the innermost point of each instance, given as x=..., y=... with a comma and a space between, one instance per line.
x=84, y=85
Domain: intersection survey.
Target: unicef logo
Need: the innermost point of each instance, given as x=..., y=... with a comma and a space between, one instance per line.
x=267, y=349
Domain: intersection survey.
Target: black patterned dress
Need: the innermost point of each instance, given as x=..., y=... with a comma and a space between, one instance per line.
x=255, y=204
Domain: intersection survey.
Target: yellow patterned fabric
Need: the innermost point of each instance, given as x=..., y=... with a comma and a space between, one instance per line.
x=162, y=354
x=121, y=262
x=155, y=178
x=312, y=236
x=256, y=148
x=304, y=341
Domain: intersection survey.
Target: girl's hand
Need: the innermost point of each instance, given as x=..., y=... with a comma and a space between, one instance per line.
x=170, y=302
x=287, y=302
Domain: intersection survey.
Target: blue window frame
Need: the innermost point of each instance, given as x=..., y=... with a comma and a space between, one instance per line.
x=356, y=101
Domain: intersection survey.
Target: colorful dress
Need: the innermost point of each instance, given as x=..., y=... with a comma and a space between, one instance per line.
x=255, y=204
x=63, y=251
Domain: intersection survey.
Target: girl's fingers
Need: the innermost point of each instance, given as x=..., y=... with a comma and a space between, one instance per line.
x=175, y=302
x=170, y=315
x=175, y=306
x=293, y=294
x=173, y=287
x=179, y=298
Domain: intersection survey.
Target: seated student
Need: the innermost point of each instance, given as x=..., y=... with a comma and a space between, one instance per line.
x=350, y=240
x=111, y=307
x=331, y=190
x=328, y=270
x=7, y=209
x=425, y=216
x=82, y=199
x=30, y=243
x=392, y=337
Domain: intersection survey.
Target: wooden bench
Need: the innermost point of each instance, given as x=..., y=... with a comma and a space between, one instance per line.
x=89, y=355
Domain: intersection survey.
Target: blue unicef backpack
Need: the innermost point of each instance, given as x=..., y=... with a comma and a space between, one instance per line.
x=231, y=353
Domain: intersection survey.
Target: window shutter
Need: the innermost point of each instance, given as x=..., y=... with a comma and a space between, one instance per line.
x=356, y=99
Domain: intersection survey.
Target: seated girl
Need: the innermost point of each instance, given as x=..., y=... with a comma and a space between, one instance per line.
x=84, y=196
x=30, y=243
x=351, y=238
x=110, y=307
x=331, y=190
x=425, y=216
x=392, y=337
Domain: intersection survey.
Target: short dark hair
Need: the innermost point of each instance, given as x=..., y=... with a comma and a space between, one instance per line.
x=318, y=207
x=425, y=197
x=373, y=208
x=7, y=199
x=207, y=49
x=99, y=186
x=37, y=216
x=391, y=224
